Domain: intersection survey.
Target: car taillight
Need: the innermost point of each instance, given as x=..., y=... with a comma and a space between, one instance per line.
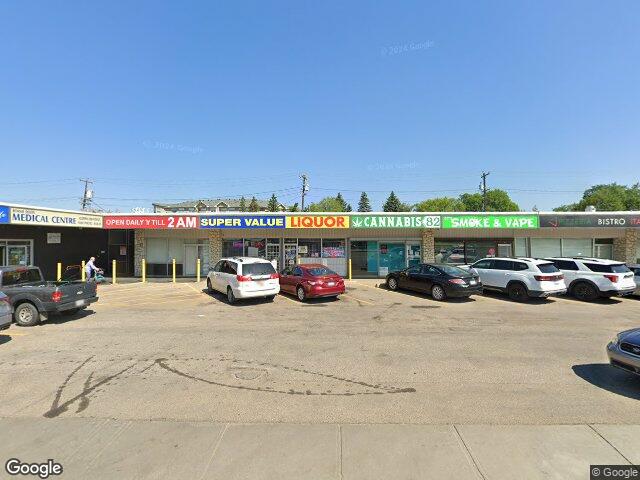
x=613, y=278
x=274, y=275
x=243, y=278
x=312, y=282
x=5, y=300
x=56, y=297
x=550, y=278
x=457, y=281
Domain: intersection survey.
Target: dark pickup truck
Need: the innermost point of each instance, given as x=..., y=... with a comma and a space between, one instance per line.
x=33, y=298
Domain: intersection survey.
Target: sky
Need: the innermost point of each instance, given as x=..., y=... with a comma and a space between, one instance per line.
x=159, y=101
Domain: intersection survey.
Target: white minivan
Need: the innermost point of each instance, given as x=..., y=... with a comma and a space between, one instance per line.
x=244, y=277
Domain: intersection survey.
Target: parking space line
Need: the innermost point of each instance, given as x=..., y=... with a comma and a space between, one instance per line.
x=14, y=334
x=284, y=295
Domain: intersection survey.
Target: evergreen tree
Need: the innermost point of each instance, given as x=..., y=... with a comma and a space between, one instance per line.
x=363, y=204
x=243, y=204
x=253, y=205
x=344, y=206
x=273, y=205
x=393, y=204
x=294, y=207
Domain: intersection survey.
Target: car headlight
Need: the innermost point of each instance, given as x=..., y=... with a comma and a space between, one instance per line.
x=615, y=340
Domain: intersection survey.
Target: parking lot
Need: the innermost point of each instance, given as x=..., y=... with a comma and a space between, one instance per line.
x=172, y=351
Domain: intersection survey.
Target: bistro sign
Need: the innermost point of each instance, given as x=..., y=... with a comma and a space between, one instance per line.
x=490, y=221
x=591, y=220
x=254, y=221
x=395, y=221
x=30, y=216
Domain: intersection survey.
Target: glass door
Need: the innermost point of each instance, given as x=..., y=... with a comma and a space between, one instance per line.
x=273, y=252
x=413, y=254
x=17, y=255
x=392, y=257
x=290, y=253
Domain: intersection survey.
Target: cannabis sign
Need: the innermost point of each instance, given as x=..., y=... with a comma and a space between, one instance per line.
x=490, y=221
x=395, y=221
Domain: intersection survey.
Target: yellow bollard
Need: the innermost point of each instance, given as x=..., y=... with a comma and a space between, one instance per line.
x=198, y=270
x=174, y=270
x=349, y=269
x=113, y=272
x=59, y=273
x=83, y=274
x=144, y=271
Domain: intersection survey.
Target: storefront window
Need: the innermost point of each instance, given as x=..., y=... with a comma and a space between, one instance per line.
x=603, y=248
x=546, y=247
x=577, y=247
x=308, y=248
x=391, y=257
x=521, y=247
x=449, y=252
x=255, y=247
x=232, y=248
x=475, y=250
x=333, y=249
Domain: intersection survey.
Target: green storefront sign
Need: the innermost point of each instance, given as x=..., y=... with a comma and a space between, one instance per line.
x=395, y=221
x=490, y=221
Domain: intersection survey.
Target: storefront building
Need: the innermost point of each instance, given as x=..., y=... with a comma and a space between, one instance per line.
x=371, y=244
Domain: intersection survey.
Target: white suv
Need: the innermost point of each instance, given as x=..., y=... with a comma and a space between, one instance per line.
x=590, y=278
x=520, y=278
x=244, y=277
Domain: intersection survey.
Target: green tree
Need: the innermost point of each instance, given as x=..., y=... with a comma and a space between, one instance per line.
x=345, y=206
x=329, y=204
x=441, y=204
x=243, y=204
x=294, y=207
x=253, y=205
x=497, y=201
x=364, y=205
x=273, y=205
x=393, y=204
x=606, y=197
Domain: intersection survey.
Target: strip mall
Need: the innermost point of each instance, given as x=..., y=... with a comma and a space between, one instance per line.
x=376, y=243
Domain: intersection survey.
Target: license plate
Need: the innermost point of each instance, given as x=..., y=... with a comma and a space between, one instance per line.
x=79, y=303
x=331, y=284
x=472, y=282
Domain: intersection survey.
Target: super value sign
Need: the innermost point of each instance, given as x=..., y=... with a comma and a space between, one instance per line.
x=261, y=221
x=490, y=221
x=157, y=222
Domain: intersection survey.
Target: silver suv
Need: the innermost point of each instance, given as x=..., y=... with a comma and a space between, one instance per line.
x=520, y=278
x=590, y=278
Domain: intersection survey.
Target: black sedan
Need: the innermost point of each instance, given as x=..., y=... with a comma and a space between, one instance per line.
x=441, y=281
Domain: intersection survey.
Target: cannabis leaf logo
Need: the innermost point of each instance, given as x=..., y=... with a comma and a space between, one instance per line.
x=357, y=222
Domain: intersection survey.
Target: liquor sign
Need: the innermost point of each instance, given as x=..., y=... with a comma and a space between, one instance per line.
x=318, y=221
x=590, y=220
x=253, y=221
x=490, y=221
x=151, y=222
x=31, y=216
x=395, y=221
x=5, y=214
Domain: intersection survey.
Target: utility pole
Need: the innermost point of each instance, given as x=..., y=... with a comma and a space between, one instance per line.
x=305, y=189
x=483, y=188
x=88, y=194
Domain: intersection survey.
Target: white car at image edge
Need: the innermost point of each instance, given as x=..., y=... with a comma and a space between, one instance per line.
x=244, y=277
x=520, y=278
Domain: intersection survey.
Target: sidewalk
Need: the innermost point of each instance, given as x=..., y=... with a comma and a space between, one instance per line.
x=103, y=448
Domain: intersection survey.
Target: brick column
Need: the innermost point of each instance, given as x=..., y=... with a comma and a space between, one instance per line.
x=138, y=251
x=428, y=250
x=215, y=246
x=624, y=248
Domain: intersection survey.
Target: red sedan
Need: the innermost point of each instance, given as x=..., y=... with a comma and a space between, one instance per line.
x=311, y=281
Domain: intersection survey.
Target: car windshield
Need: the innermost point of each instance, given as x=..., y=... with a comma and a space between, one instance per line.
x=455, y=271
x=320, y=271
x=258, y=269
x=548, y=268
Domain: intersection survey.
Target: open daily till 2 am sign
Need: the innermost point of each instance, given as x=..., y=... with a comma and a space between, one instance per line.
x=490, y=221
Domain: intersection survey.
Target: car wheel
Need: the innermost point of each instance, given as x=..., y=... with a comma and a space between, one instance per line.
x=209, y=287
x=302, y=296
x=392, y=283
x=271, y=298
x=585, y=291
x=231, y=298
x=26, y=315
x=438, y=293
x=517, y=292
x=70, y=312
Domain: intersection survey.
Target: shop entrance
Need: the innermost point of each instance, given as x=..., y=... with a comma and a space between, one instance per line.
x=191, y=255
x=372, y=258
